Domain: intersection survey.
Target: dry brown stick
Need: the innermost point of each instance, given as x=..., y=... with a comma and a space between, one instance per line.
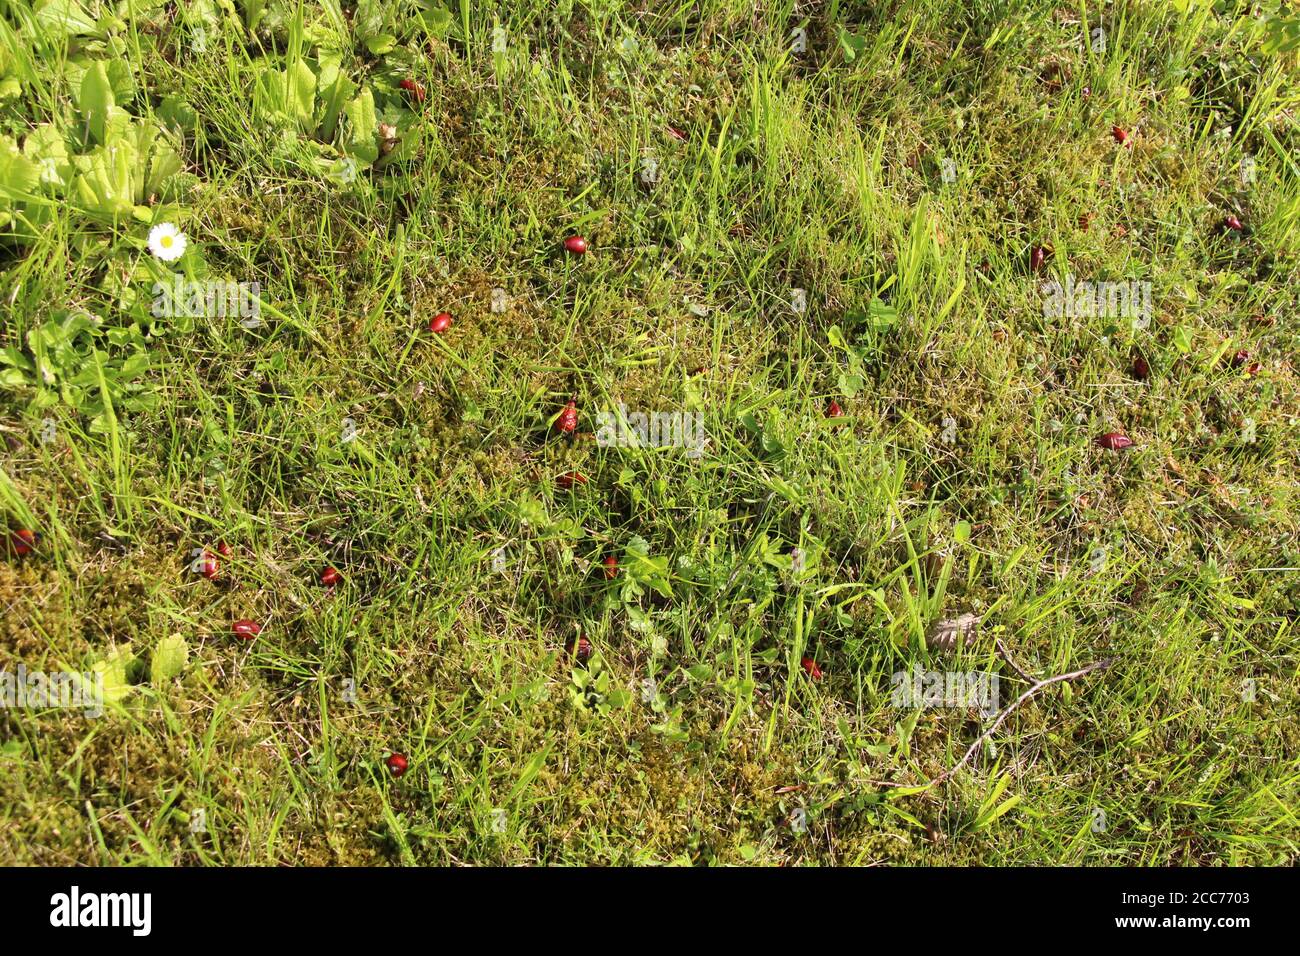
x=1006, y=656
x=1006, y=712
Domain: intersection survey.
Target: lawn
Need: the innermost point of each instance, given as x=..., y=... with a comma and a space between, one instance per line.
x=702, y=433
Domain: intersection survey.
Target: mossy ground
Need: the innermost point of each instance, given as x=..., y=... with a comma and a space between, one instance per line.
x=814, y=171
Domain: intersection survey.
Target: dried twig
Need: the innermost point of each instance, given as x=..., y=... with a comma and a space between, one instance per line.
x=1006, y=656
x=1006, y=712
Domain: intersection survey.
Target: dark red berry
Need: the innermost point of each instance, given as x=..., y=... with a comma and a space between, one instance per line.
x=833, y=410
x=567, y=423
x=1239, y=359
x=580, y=648
x=1114, y=441
x=1141, y=370
x=330, y=577
x=397, y=764
x=1121, y=136
x=23, y=541
x=246, y=630
x=811, y=667
x=571, y=479
x=224, y=550
x=1087, y=92
x=440, y=322
x=209, y=566
x=414, y=88
x=576, y=245
x=1232, y=223
x=1037, y=258
x=1252, y=369
x=611, y=567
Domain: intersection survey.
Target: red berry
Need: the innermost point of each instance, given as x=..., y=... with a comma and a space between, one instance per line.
x=1037, y=258
x=330, y=577
x=440, y=322
x=209, y=566
x=1232, y=223
x=1252, y=369
x=1121, y=136
x=576, y=245
x=414, y=88
x=580, y=648
x=1114, y=441
x=23, y=541
x=224, y=550
x=811, y=667
x=1087, y=92
x=1141, y=370
x=833, y=410
x=397, y=764
x=675, y=133
x=567, y=423
x=611, y=567
x=571, y=479
x=1239, y=359
x=246, y=629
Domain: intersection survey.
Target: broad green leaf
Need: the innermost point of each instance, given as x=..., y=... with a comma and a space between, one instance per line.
x=169, y=659
x=362, y=141
x=96, y=101
x=436, y=21
x=300, y=92
x=104, y=184
x=333, y=89
x=45, y=148
x=18, y=175
x=58, y=19
x=113, y=669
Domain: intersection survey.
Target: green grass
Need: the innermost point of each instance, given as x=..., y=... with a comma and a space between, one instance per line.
x=964, y=477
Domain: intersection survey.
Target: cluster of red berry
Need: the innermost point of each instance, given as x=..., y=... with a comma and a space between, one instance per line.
x=209, y=566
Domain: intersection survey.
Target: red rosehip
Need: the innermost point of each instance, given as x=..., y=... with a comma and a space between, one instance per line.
x=811, y=667
x=1114, y=441
x=833, y=410
x=440, y=323
x=246, y=630
x=209, y=566
x=611, y=567
x=330, y=577
x=1141, y=370
x=23, y=541
x=1232, y=223
x=397, y=764
x=571, y=479
x=567, y=423
x=1121, y=136
x=576, y=245
x=414, y=88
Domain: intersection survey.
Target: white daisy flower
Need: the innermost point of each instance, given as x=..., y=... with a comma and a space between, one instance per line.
x=166, y=242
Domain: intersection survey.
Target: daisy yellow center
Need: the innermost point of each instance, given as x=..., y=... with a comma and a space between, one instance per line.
x=166, y=242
